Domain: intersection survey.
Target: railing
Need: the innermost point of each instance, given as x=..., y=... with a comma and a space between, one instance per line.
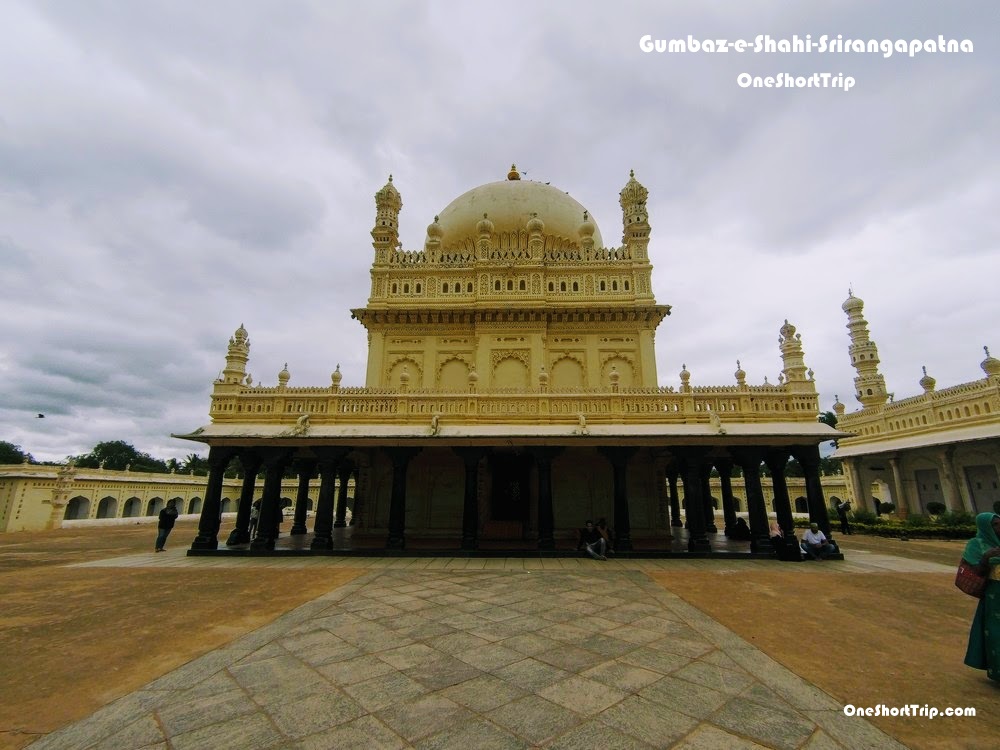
x=654, y=405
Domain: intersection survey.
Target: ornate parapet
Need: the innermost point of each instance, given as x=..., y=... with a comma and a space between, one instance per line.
x=654, y=405
x=964, y=405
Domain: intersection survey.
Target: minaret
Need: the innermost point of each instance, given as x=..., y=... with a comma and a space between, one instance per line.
x=869, y=385
x=237, y=356
x=796, y=376
x=385, y=233
x=635, y=221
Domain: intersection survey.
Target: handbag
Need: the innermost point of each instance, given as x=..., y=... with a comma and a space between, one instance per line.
x=969, y=581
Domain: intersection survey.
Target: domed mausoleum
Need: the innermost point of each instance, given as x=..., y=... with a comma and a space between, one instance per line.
x=511, y=393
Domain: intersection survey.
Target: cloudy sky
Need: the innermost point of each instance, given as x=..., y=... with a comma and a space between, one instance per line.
x=169, y=170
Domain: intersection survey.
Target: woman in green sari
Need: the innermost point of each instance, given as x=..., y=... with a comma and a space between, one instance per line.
x=983, y=554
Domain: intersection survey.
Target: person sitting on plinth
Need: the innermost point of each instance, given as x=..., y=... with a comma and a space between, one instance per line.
x=592, y=542
x=815, y=544
x=786, y=549
x=608, y=534
x=740, y=531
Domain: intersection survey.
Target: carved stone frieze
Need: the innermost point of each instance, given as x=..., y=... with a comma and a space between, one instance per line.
x=498, y=355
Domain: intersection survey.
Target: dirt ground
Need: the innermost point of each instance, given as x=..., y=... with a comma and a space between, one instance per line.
x=866, y=639
x=75, y=639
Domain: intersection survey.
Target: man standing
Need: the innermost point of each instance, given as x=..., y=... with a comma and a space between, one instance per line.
x=842, y=509
x=593, y=542
x=815, y=544
x=168, y=516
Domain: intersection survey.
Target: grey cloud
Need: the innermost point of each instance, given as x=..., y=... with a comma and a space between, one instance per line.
x=168, y=171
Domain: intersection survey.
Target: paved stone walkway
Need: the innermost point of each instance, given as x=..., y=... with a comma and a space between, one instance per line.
x=483, y=653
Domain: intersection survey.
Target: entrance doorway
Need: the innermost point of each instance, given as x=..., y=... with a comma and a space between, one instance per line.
x=510, y=496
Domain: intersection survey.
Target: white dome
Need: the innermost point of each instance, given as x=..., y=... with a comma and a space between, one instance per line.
x=509, y=204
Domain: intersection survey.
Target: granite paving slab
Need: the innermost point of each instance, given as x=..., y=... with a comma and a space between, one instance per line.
x=443, y=657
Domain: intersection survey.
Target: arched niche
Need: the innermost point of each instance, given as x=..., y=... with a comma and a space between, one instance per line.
x=626, y=373
x=77, y=508
x=107, y=507
x=412, y=369
x=510, y=372
x=453, y=375
x=567, y=374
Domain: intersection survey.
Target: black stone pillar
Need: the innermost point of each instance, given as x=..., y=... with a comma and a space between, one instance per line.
x=689, y=463
x=329, y=460
x=470, y=504
x=706, y=497
x=619, y=463
x=274, y=461
x=344, y=475
x=211, y=511
x=749, y=460
x=725, y=468
x=400, y=458
x=307, y=469
x=808, y=458
x=251, y=465
x=546, y=517
x=777, y=460
x=675, y=500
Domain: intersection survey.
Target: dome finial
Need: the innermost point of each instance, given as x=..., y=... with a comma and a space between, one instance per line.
x=927, y=382
x=513, y=174
x=990, y=365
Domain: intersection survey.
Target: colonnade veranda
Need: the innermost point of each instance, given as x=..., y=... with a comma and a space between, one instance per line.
x=691, y=466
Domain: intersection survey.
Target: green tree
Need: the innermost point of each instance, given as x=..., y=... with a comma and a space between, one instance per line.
x=193, y=463
x=829, y=465
x=116, y=455
x=12, y=454
x=829, y=418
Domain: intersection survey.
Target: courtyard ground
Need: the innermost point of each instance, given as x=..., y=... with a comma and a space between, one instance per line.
x=76, y=638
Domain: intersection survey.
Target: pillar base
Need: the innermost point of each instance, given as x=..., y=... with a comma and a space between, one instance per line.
x=761, y=544
x=321, y=543
x=298, y=530
x=711, y=528
x=237, y=537
x=470, y=542
x=395, y=542
x=340, y=523
x=262, y=543
x=546, y=544
x=205, y=542
x=677, y=522
x=623, y=544
x=699, y=545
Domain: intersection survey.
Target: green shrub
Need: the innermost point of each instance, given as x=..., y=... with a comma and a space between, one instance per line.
x=953, y=518
x=936, y=508
x=863, y=516
x=887, y=507
x=924, y=532
x=916, y=521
